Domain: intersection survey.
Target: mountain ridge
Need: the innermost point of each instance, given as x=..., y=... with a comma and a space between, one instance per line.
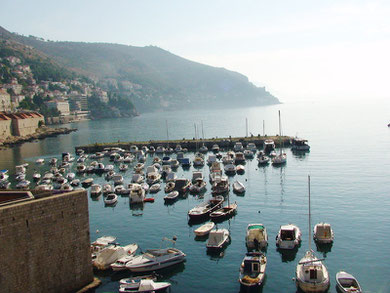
x=151, y=77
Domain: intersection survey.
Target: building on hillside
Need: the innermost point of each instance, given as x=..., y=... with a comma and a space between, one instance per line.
x=5, y=100
x=15, y=87
x=78, y=102
x=5, y=126
x=15, y=101
x=25, y=123
x=45, y=241
x=61, y=105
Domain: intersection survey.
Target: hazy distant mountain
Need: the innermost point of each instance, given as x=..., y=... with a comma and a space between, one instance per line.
x=150, y=77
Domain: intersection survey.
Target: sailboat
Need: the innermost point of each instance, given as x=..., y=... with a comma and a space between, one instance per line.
x=311, y=274
x=282, y=157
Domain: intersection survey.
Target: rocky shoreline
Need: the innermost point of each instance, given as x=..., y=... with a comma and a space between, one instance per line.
x=41, y=133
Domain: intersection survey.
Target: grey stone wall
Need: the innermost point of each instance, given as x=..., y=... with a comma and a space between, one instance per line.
x=45, y=244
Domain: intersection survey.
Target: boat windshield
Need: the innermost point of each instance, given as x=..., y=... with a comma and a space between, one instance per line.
x=287, y=235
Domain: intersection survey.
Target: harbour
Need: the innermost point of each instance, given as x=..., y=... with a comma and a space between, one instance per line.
x=275, y=196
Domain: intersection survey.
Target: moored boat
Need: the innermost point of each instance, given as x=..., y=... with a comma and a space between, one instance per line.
x=252, y=270
x=347, y=283
x=204, y=229
x=224, y=212
x=144, y=286
x=323, y=233
x=204, y=209
x=256, y=236
x=238, y=187
x=218, y=239
x=289, y=237
x=111, y=199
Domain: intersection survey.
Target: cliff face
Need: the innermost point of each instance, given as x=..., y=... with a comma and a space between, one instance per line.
x=150, y=77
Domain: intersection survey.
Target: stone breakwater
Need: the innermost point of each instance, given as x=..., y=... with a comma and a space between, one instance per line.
x=191, y=144
x=41, y=133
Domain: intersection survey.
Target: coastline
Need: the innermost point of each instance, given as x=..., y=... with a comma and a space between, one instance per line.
x=41, y=133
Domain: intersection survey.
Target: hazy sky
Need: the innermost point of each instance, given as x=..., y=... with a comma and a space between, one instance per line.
x=296, y=49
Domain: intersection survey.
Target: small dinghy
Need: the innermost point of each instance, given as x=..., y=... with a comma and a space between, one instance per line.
x=111, y=199
x=36, y=176
x=218, y=239
x=155, y=188
x=145, y=286
x=240, y=169
x=347, y=283
x=172, y=196
x=204, y=229
x=135, y=280
x=238, y=187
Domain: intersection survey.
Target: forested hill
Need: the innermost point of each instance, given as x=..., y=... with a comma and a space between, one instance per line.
x=153, y=78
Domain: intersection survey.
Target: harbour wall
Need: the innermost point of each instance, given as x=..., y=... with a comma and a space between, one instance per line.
x=45, y=244
x=191, y=144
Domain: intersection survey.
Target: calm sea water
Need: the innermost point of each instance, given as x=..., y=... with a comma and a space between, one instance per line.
x=349, y=164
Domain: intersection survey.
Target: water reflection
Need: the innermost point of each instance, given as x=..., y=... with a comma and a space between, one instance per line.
x=287, y=255
x=136, y=208
x=324, y=248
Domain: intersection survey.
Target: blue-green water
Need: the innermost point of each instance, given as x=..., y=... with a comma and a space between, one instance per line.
x=349, y=164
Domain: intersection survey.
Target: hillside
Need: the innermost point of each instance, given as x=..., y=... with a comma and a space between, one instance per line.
x=150, y=77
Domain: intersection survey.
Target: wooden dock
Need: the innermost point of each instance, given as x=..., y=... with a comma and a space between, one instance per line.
x=190, y=144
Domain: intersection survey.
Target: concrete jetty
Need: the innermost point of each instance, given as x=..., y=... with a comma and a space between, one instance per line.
x=190, y=144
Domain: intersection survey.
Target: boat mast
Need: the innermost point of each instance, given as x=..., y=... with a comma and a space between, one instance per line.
x=263, y=128
x=166, y=124
x=308, y=176
x=280, y=134
x=246, y=126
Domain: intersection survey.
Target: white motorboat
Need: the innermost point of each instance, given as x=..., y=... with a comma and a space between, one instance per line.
x=252, y=147
x=160, y=149
x=36, y=176
x=165, y=170
x=174, y=164
x=133, y=149
x=203, y=149
x=87, y=182
x=256, y=236
x=45, y=187
x=111, y=199
x=230, y=169
x=101, y=243
x=110, y=254
x=172, y=196
x=347, y=283
x=137, y=178
x=81, y=168
x=169, y=187
x=323, y=233
x=118, y=179
x=70, y=176
x=139, y=167
x=211, y=159
x=215, y=148
x=75, y=182
x=220, y=185
x=198, y=187
x=204, y=229
x=157, y=160
x=218, y=239
x=311, y=274
x=263, y=159
x=121, y=189
x=99, y=168
x=289, y=237
x=110, y=174
x=39, y=161
x=137, y=279
x=153, y=178
x=108, y=168
x=238, y=187
x=252, y=270
x=120, y=264
x=196, y=175
x=269, y=146
x=123, y=167
x=53, y=161
x=178, y=148
x=198, y=161
x=145, y=186
x=145, y=286
x=23, y=184
x=66, y=187
x=107, y=188
x=238, y=147
x=240, y=169
x=137, y=194
x=96, y=189
x=128, y=159
x=155, y=259
x=248, y=154
x=155, y=188
x=239, y=158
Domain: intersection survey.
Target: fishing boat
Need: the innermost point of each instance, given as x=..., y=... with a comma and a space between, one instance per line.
x=230, y=169
x=198, y=187
x=137, y=194
x=144, y=286
x=311, y=274
x=240, y=169
x=269, y=146
x=215, y=148
x=256, y=236
x=224, y=212
x=169, y=187
x=252, y=270
x=289, y=237
x=198, y=161
x=323, y=233
x=202, y=210
x=96, y=189
x=204, y=229
x=299, y=144
x=220, y=185
x=238, y=187
x=111, y=199
x=218, y=239
x=155, y=188
x=155, y=259
x=347, y=283
x=172, y=196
